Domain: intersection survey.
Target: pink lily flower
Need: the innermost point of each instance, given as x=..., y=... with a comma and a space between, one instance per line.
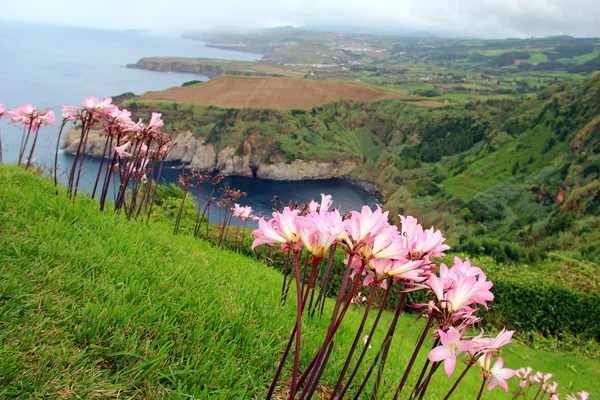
x=280, y=229
x=155, y=122
x=389, y=244
x=365, y=225
x=319, y=231
x=450, y=348
x=121, y=150
x=492, y=345
x=524, y=372
x=580, y=396
x=499, y=375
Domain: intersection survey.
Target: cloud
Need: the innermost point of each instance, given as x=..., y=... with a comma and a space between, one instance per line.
x=477, y=18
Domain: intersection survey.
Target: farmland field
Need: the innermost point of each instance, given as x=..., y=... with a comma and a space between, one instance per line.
x=270, y=93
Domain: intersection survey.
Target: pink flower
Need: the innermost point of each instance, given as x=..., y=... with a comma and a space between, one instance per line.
x=3, y=111
x=155, y=123
x=467, y=291
x=580, y=396
x=450, y=348
x=492, y=345
x=319, y=231
x=550, y=388
x=499, y=375
x=422, y=244
x=389, y=244
x=282, y=229
x=71, y=113
x=122, y=150
x=32, y=118
x=524, y=372
x=365, y=225
x=536, y=378
x=45, y=118
x=242, y=212
x=24, y=114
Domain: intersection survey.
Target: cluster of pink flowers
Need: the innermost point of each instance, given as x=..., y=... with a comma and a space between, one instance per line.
x=31, y=118
x=119, y=125
x=542, y=382
x=242, y=212
x=381, y=254
x=379, y=250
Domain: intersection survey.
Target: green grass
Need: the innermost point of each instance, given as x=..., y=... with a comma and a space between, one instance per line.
x=94, y=305
x=537, y=58
x=586, y=57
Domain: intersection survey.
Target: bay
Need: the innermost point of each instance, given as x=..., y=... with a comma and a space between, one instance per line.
x=49, y=66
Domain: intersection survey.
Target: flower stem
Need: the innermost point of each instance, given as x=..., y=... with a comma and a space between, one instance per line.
x=298, y=326
x=366, y=346
x=481, y=389
x=414, y=356
x=354, y=343
x=390, y=335
x=468, y=367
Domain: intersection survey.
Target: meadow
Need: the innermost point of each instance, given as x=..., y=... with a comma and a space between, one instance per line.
x=95, y=305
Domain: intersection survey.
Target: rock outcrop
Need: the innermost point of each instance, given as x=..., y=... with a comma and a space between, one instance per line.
x=197, y=154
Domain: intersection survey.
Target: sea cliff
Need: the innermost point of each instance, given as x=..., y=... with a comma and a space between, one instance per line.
x=197, y=154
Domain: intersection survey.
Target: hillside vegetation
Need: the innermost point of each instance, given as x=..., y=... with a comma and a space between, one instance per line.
x=98, y=306
x=513, y=179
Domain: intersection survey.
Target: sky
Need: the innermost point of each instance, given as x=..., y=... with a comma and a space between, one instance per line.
x=463, y=18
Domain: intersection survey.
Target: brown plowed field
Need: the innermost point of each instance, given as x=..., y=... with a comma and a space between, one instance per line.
x=270, y=92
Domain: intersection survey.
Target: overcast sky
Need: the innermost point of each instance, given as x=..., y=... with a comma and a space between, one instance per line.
x=475, y=18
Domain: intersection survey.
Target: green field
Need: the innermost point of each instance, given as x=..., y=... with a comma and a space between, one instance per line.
x=94, y=305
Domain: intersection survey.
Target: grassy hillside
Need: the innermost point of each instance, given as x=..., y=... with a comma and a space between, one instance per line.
x=96, y=306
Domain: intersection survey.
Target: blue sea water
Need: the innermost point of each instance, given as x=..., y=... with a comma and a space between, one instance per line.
x=49, y=66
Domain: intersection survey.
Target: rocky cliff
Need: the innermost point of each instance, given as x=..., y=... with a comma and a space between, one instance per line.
x=197, y=154
x=210, y=70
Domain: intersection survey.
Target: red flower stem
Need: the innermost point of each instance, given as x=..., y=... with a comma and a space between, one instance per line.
x=538, y=392
x=354, y=343
x=106, y=146
x=62, y=126
x=417, y=387
x=390, y=335
x=312, y=389
x=366, y=346
x=332, y=326
x=481, y=389
x=35, y=137
x=298, y=326
x=82, y=157
x=281, y=363
x=155, y=189
x=304, y=269
x=76, y=156
x=414, y=356
x=24, y=140
x=323, y=289
x=425, y=385
x=370, y=371
x=311, y=280
x=468, y=367
x=286, y=271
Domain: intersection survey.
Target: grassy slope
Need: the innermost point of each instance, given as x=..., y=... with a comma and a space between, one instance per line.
x=94, y=305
